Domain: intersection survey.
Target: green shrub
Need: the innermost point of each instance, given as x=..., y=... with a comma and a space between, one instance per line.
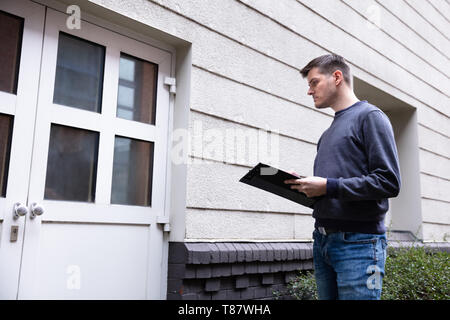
x=413, y=273
x=416, y=274
x=303, y=286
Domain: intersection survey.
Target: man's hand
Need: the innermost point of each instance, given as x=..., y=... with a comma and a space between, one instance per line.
x=311, y=186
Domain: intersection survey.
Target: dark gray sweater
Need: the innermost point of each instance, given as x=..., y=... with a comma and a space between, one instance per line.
x=358, y=156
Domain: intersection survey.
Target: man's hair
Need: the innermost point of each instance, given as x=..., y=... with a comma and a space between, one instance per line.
x=328, y=64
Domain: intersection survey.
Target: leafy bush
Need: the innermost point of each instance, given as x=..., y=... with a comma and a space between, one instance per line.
x=303, y=286
x=416, y=274
x=413, y=273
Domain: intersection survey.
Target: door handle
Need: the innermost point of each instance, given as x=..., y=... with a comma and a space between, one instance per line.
x=36, y=210
x=19, y=210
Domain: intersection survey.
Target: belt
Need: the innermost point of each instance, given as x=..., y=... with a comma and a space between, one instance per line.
x=327, y=231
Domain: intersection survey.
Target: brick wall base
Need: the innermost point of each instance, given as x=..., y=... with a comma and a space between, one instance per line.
x=232, y=270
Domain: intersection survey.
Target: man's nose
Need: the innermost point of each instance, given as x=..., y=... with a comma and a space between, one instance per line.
x=310, y=92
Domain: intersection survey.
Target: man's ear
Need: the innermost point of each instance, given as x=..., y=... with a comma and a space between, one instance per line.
x=338, y=77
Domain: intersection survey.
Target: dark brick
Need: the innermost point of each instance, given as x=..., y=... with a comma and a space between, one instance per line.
x=308, y=265
x=290, y=251
x=251, y=267
x=238, y=269
x=240, y=252
x=177, y=252
x=248, y=252
x=190, y=249
x=202, y=253
x=242, y=282
x=260, y=293
x=278, y=278
x=212, y=285
x=227, y=283
x=262, y=252
x=269, y=252
x=267, y=279
x=288, y=276
x=296, y=250
x=214, y=253
x=255, y=251
x=263, y=267
x=221, y=270
x=189, y=296
x=254, y=280
x=275, y=267
x=233, y=294
x=190, y=272
x=232, y=256
x=193, y=286
x=176, y=270
x=174, y=286
x=223, y=252
x=283, y=250
x=276, y=251
x=219, y=295
x=203, y=271
x=248, y=293
x=204, y=296
x=309, y=250
x=173, y=296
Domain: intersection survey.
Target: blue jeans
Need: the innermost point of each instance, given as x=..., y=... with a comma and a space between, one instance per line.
x=349, y=265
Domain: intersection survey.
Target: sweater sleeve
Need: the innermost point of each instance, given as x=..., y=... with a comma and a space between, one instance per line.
x=383, y=178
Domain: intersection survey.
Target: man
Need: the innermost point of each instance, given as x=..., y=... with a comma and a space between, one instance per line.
x=356, y=170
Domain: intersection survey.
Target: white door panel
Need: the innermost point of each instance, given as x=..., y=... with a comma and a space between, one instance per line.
x=98, y=170
x=21, y=107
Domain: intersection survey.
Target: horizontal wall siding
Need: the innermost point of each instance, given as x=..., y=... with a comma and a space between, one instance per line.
x=417, y=24
x=233, y=225
x=243, y=225
x=215, y=185
x=379, y=17
x=375, y=40
x=435, y=164
x=433, y=141
x=434, y=211
x=246, y=58
x=329, y=36
x=435, y=232
x=435, y=188
x=228, y=99
x=431, y=16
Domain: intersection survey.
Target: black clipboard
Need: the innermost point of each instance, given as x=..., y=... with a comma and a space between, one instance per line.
x=271, y=179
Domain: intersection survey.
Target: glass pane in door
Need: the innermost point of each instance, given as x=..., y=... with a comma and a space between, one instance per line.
x=132, y=172
x=79, y=73
x=11, y=28
x=71, y=164
x=136, y=98
x=6, y=124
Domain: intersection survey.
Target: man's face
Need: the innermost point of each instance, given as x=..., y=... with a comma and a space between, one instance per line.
x=322, y=88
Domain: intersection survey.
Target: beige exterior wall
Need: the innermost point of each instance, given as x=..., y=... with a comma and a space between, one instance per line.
x=246, y=57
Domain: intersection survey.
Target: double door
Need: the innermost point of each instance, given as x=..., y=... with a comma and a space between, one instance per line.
x=83, y=154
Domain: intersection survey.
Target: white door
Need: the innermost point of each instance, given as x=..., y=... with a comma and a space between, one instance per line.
x=98, y=167
x=21, y=27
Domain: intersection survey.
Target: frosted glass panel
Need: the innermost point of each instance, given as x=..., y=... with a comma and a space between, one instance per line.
x=72, y=164
x=136, y=98
x=132, y=172
x=79, y=73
